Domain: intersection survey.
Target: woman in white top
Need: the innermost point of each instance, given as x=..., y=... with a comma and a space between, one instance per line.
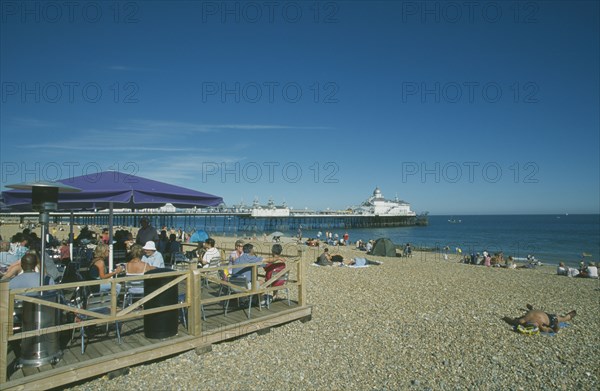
x=137, y=267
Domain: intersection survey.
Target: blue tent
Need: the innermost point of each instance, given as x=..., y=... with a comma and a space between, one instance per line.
x=199, y=236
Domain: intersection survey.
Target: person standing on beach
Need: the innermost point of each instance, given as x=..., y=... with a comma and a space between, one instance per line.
x=146, y=233
x=346, y=239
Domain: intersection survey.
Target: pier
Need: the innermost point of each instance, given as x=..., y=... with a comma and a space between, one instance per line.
x=228, y=222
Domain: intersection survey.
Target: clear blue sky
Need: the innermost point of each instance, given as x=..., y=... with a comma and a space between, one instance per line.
x=457, y=108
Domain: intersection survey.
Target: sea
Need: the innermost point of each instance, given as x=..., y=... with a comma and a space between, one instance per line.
x=551, y=239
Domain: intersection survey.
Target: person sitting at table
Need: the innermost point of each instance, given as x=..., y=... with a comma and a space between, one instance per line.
x=173, y=247
x=10, y=260
x=247, y=256
x=30, y=278
x=98, y=269
x=235, y=254
x=275, y=264
x=210, y=252
x=135, y=266
x=152, y=257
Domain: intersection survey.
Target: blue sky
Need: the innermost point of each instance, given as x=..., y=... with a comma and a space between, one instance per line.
x=456, y=107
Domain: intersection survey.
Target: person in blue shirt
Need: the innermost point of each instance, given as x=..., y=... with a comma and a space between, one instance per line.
x=247, y=256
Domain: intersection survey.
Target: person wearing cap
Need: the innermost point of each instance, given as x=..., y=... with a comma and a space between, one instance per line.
x=152, y=257
x=146, y=233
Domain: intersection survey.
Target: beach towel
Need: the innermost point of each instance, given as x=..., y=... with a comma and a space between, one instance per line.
x=561, y=325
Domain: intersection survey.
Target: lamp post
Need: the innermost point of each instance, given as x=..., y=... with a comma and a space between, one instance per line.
x=44, y=199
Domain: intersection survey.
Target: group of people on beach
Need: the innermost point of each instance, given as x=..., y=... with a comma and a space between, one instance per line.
x=498, y=260
x=586, y=270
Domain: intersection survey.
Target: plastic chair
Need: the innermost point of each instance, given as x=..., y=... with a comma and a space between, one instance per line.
x=214, y=262
x=133, y=290
x=100, y=303
x=281, y=281
x=242, y=283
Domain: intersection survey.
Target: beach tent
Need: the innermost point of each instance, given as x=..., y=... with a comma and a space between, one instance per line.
x=199, y=236
x=384, y=247
x=108, y=189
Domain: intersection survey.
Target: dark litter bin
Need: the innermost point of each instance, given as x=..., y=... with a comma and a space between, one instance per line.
x=39, y=350
x=163, y=324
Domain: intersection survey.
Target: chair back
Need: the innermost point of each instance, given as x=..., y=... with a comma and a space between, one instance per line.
x=135, y=287
x=98, y=301
x=214, y=262
x=275, y=268
x=239, y=281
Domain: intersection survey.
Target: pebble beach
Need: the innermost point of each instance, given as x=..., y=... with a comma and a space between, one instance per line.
x=420, y=323
x=412, y=323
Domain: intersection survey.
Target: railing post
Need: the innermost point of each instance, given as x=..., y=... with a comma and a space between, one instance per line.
x=301, y=284
x=194, y=297
x=5, y=323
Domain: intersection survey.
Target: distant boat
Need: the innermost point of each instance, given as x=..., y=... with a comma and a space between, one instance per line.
x=454, y=221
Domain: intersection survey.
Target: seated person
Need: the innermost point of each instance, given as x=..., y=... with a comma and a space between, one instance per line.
x=98, y=269
x=589, y=271
x=151, y=256
x=137, y=267
x=545, y=322
x=325, y=258
x=275, y=264
x=173, y=247
x=29, y=278
x=562, y=270
x=210, y=252
x=509, y=263
x=10, y=260
x=247, y=256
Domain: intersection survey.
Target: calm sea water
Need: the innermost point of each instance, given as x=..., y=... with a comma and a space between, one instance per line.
x=550, y=238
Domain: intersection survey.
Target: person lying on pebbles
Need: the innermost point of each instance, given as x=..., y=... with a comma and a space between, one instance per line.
x=544, y=322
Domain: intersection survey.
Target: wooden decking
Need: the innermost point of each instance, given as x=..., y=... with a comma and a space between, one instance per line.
x=103, y=354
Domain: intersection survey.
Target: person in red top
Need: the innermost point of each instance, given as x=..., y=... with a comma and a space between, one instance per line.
x=275, y=264
x=346, y=239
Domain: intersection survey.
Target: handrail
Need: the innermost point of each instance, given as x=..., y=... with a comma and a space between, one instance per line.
x=191, y=277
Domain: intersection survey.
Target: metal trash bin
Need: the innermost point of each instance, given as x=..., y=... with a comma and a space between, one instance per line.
x=162, y=324
x=39, y=350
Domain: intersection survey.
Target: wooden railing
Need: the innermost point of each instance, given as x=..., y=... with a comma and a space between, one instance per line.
x=192, y=278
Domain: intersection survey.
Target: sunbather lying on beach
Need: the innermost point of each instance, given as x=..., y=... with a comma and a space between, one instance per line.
x=545, y=322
